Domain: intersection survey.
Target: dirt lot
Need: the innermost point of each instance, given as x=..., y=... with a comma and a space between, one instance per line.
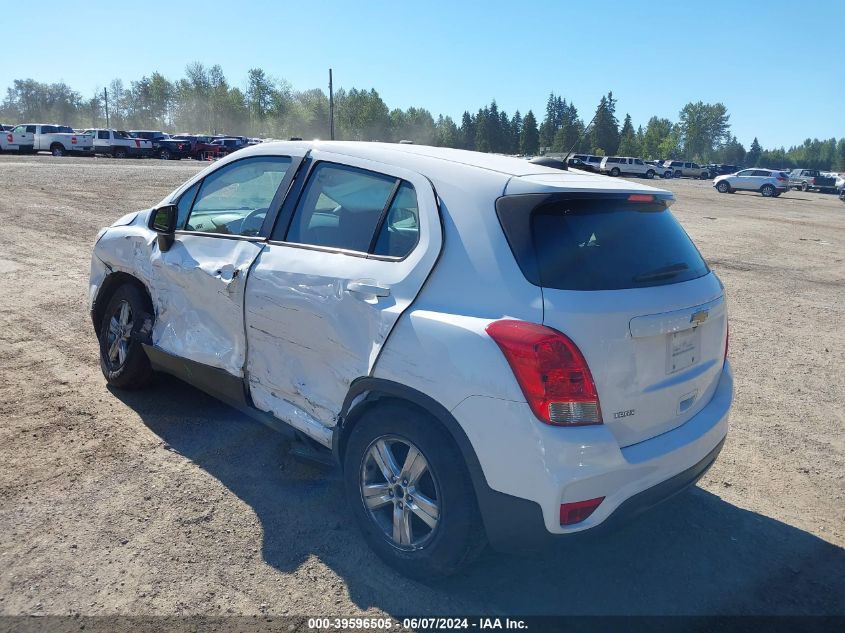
x=166, y=502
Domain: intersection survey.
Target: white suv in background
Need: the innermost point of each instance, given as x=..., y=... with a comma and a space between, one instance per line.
x=492, y=350
x=768, y=182
x=627, y=166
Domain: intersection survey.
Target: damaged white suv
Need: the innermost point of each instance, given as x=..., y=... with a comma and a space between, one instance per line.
x=491, y=349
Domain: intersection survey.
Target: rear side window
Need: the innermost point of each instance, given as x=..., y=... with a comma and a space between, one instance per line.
x=598, y=243
x=401, y=227
x=341, y=207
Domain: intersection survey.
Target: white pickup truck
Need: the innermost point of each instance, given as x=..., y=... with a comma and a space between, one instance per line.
x=118, y=143
x=12, y=140
x=57, y=139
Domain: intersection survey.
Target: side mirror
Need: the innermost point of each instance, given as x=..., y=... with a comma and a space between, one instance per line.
x=163, y=222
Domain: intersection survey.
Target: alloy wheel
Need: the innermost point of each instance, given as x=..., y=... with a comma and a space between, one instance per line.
x=403, y=500
x=120, y=332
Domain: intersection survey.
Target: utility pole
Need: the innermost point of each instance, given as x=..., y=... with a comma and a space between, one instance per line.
x=106, y=95
x=331, y=107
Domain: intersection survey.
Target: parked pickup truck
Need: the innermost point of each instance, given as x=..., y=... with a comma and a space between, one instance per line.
x=57, y=139
x=119, y=144
x=164, y=147
x=15, y=141
x=807, y=179
x=201, y=146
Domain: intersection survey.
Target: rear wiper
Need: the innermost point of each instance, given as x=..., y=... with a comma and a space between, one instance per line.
x=666, y=272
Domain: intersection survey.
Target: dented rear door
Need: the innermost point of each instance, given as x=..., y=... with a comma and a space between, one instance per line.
x=325, y=293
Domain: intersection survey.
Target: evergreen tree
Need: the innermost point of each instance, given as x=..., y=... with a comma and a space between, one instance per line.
x=628, y=145
x=755, y=152
x=516, y=133
x=530, y=140
x=605, y=132
x=466, y=133
x=482, y=130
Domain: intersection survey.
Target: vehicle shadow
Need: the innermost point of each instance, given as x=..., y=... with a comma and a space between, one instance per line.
x=695, y=554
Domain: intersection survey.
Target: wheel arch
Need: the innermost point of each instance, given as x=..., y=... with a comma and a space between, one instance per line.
x=110, y=284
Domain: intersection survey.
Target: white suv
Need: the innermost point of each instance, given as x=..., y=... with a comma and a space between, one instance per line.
x=492, y=350
x=626, y=165
x=768, y=182
x=691, y=170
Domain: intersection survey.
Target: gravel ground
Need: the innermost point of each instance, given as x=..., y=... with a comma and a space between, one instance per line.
x=167, y=502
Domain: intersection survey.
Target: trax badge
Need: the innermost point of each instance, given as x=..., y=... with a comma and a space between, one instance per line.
x=699, y=317
x=624, y=414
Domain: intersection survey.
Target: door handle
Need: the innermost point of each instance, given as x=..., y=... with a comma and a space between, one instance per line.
x=367, y=288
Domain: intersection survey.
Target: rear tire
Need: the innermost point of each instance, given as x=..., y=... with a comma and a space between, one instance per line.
x=805, y=186
x=127, y=321
x=164, y=154
x=394, y=429
x=723, y=187
x=57, y=149
x=768, y=191
x=615, y=172
x=120, y=153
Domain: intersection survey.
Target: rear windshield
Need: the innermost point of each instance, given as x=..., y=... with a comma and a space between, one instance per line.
x=600, y=244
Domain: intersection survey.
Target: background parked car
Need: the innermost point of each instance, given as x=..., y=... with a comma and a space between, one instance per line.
x=57, y=139
x=119, y=144
x=622, y=165
x=690, y=170
x=591, y=163
x=16, y=141
x=164, y=147
x=807, y=179
x=201, y=147
x=662, y=171
x=228, y=145
x=768, y=182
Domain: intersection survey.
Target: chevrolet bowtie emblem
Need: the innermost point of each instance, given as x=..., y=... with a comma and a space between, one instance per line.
x=699, y=317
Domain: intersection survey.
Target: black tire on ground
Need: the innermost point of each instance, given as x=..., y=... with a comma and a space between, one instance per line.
x=127, y=321
x=649, y=174
x=164, y=154
x=805, y=186
x=768, y=191
x=57, y=149
x=777, y=194
x=723, y=187
x=678, y=174
x=119, y=152
x=457, y=536
x=615, y=172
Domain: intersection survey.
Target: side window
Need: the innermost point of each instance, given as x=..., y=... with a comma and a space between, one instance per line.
x=104, y=134
x=30, y=129
x=340, y=207
x=234, y=199
x=401, y=228
x=761, y=172
x=637, y=161
x=745, y=172
x=184, y=204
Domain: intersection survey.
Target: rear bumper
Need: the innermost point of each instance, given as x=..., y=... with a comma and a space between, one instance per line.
x=533, y=469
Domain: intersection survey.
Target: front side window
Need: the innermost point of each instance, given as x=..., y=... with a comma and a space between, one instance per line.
x=30, y=129
x=103, y=134
x=745, y=172
x=341, y=207
x=638, y=161
x=234, y=199
x=762, y=172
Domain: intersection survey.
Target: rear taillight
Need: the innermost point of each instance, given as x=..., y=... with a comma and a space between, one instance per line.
x=577, y=511
x=640, y=197
x=550, y=370
x=781, y=178
x=73, y=140
x=10, y=138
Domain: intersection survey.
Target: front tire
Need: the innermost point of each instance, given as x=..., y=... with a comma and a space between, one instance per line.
x=615, y=172
x=127, y=321
x=411, y=493
x=805, y=186
x=723, y=187
x=164, y=154
x=649, y=174
x=768, y=191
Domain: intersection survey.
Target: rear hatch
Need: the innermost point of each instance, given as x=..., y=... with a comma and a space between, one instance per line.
x=622, y=279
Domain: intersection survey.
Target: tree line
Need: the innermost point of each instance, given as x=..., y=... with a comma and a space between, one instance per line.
x=204, y=101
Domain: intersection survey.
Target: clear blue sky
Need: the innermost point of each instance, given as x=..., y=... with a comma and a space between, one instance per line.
x=777, y=66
